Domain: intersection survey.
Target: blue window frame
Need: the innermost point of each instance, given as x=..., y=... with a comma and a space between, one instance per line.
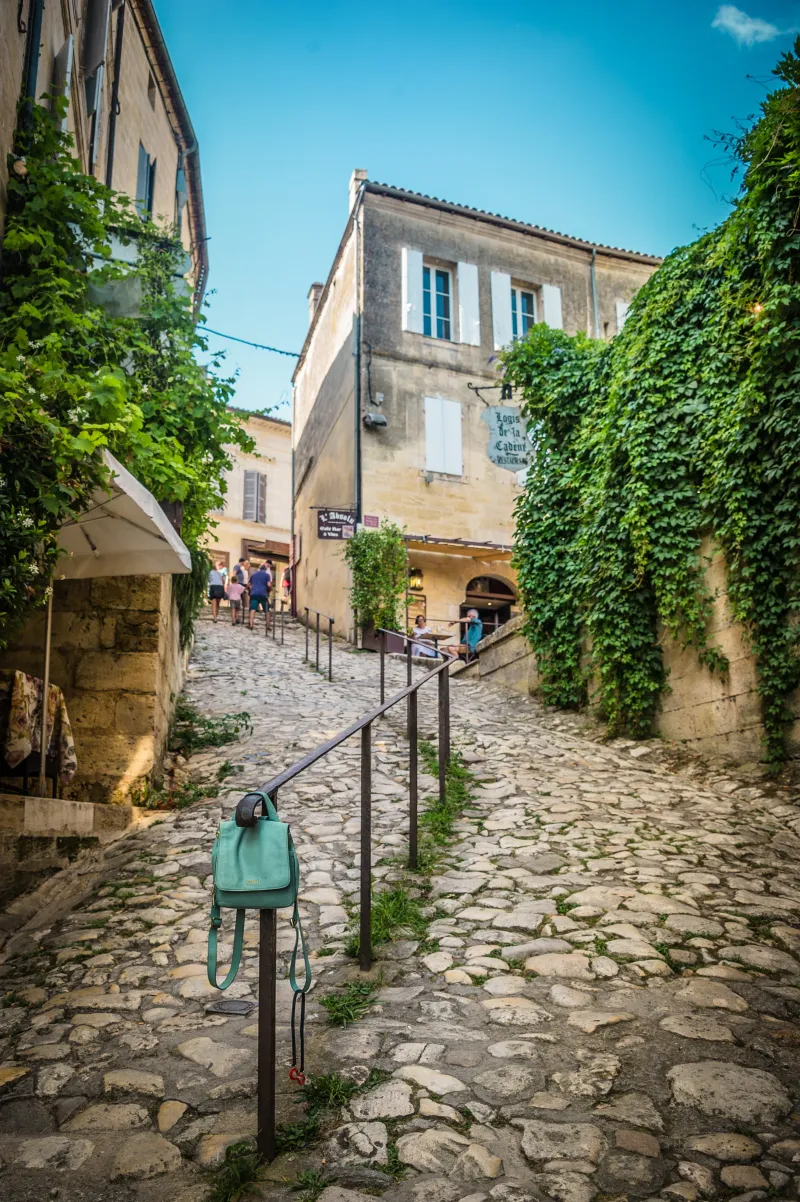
x=523, y=312
x=436, y=302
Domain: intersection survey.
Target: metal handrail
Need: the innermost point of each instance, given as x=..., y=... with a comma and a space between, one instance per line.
x=329, y=620
x=409, y=641
x=267, y=974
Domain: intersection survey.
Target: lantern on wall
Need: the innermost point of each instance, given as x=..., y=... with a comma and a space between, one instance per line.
x=415, y=579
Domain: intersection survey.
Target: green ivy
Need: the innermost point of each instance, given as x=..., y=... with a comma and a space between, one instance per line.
x=74, y=379
x=377, y=561
x=687, y=424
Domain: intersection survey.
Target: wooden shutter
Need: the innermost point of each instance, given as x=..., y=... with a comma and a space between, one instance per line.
x=411, y=290
x=501, y=309
x=451, y=426
x=469, y=312
x=95, y=38
x=434, y=435
x=262, y=498
x=62, y=73
x=250, y=509
x=622, y=314
x=551, y=306
x=151, y=188
x=142, y=181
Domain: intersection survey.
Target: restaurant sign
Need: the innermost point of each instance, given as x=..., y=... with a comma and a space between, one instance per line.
x=336, y=523
x=508, y=437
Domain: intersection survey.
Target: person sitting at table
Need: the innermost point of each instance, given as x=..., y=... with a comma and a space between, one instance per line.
x=473, y=633
x=422, y=631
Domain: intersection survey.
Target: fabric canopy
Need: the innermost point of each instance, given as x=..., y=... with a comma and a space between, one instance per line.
x=124, y=532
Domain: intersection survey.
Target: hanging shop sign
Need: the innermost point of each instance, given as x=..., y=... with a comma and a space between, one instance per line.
x=508, y=437
x=336, y=523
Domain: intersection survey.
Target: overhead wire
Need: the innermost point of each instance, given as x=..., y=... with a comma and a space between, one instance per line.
x=258, y=345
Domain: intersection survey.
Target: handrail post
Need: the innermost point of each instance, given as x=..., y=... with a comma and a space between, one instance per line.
x=409, y=648
x=365, y=916
x=267, y=956
x=446, y=675
x=330, y=650
x=412, y=780
x=316, y=665
x=383, y=667
x=306, y=655
x=283, y=620
x=442, y=734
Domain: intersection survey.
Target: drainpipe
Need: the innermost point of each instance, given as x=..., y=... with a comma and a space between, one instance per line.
x=357, y=480
x=594, y=295
x=31, y=68
x=112, y=119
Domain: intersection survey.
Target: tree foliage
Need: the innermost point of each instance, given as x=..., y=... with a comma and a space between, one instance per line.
x=74, y=379
x=377, y=560
x=687, y=424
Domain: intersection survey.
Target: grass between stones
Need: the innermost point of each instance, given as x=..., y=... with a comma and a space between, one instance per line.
x=350, y=1004
x=239, y=1170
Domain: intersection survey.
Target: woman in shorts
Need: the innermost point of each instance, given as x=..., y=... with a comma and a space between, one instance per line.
x=216, y=588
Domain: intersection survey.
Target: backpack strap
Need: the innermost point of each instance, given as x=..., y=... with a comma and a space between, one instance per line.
x=245, y=812
x=295, y=1073
x=238, y=940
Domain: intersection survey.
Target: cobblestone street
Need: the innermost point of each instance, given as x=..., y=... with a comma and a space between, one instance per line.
x=610, y=1006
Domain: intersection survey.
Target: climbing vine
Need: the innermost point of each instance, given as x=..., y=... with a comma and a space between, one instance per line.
x=75, y=379
x=377, y=561
x=686, y=425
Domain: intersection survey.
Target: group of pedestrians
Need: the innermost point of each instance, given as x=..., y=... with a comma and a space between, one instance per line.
x=245, y=589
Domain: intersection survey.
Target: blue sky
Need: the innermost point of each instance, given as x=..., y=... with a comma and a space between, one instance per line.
x=584, y=118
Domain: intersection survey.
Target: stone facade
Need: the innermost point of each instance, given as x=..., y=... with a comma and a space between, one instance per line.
x=151, y=110
x=235, y=534
x=115, y=655
x=461, y=518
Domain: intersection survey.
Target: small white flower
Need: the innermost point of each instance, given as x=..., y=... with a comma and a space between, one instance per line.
x=74, y=415
x=145, y=387
x=31, y=390
x=20, y=358
x=35, y=569
x=27, y=522
x=87, y=396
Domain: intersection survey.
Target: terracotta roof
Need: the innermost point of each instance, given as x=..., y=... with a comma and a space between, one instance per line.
x=450, y=206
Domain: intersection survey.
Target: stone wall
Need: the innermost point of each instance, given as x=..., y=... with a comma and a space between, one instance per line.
x=117, y=658
x=701, y=710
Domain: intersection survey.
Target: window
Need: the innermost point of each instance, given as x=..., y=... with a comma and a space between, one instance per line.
x=437, y=294
x=443, y=436
x=145, y=183
x=255, y=497
x=523, y=312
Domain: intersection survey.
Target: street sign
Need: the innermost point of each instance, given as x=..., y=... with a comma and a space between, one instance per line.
x=508, y=437
x=336, y=523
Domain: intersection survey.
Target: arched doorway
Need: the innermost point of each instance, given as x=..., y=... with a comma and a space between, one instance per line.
x=492, y=597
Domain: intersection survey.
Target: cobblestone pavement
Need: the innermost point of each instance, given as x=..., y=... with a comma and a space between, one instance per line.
x=611, y=1011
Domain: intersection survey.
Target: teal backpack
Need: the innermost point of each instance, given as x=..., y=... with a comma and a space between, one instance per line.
x=254, y=866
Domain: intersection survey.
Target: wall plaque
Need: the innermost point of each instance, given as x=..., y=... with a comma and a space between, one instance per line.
x=508, y=437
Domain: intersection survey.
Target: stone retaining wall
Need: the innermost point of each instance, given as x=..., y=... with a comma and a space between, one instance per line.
x=116, y=655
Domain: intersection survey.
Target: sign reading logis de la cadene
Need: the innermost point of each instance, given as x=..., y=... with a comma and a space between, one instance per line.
x=508, y=437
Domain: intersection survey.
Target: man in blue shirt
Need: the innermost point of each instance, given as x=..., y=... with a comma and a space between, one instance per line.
x=260, y=583
x=473, y=633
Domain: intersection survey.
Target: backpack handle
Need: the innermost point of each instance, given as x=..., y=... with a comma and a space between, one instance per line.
x=246, y=809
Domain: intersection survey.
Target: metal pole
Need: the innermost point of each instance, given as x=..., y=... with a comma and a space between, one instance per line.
x=306, y=656
x=283, y=620
x=442, y=734
x=317, y=663
x=446, y=676
x=267, y=951
x=330, y=649
x=365, y=916
x=409, y=649
x=45, y=691
x=383, y=667
x=412, y=779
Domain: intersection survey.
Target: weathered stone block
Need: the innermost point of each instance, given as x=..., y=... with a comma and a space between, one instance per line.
x=135, y=714
x=126, y=592
x=137, y=671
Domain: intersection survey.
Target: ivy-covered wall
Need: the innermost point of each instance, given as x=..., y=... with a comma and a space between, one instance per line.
x=685, y=426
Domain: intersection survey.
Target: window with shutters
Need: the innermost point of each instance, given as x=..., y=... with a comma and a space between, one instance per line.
x=437, y=301
x=443, y=436
x=145, y=184
x=255, y=497
x=523, y=311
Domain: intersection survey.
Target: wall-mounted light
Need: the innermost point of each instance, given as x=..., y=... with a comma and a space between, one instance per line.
x=415, y=579
x=506, y=392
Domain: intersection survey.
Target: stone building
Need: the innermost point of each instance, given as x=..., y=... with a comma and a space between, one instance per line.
x=256, y=518
x=398, y=411
x=128, y=119
x=115, y=646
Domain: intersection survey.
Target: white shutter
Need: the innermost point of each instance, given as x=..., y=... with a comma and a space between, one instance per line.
x=551, y=306
x=262, y=498
x=451, y=427
x=412, y=290
x=622, y=314
x=250, y=508
x=62, y=73
x=469, y=311
x=501, y=309
x=434, y=435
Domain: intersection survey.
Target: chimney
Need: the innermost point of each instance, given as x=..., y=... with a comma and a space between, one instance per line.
x=314, y=293
x=356, y=180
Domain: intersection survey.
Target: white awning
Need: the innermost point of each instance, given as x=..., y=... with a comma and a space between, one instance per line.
x=124, y=532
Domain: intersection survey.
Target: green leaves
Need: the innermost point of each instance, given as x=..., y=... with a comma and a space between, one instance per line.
x=687, y=424
x=377, y=561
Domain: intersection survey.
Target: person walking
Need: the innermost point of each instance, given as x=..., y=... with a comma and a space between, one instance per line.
x=286, y=585
x=216, y=588
x=235, y=592
x=259, y=593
